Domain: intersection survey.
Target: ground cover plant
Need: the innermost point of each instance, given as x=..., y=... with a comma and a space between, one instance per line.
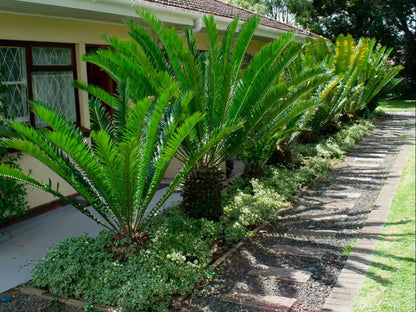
x=390, y=285
x=172, y=264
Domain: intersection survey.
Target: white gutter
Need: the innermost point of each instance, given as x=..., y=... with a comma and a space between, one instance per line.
x=122, y=8
x=197, y=27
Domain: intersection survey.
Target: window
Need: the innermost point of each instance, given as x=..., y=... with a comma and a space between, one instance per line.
x=42, y=72
x=13, y=61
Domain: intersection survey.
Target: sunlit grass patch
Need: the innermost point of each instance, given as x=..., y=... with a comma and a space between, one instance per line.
x=397, y=105
x=390, y=283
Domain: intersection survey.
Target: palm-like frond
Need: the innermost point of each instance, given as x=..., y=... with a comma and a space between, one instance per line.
x=227, y=97
x=359, y=73
x=117, y=176
x=293, y=105
x=238, y=106
x=100, y=119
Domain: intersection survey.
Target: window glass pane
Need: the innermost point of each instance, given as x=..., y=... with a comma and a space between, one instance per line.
x=51, y=56
x=13, y=61
x=55, y=89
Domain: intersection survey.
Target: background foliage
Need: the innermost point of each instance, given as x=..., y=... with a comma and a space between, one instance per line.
x=391, y=22
x=12, y=193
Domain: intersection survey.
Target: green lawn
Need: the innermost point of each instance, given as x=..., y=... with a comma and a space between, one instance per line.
x=397, y=105
x=390, y=282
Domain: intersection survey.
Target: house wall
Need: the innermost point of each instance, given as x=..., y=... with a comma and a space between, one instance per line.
x=81, y=33
x=46, y=29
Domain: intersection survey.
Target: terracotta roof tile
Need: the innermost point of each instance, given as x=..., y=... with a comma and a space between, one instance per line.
x=223, y=9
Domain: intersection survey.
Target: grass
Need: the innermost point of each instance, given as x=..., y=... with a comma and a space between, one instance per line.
x=396, y=105
x=390, y=282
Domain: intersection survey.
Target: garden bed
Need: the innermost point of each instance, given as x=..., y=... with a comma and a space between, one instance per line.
x=176, y=268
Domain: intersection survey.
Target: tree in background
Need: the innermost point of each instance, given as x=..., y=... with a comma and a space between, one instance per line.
x=283, y=10
x=392, y=23
x=279, y=10
x=252, y=5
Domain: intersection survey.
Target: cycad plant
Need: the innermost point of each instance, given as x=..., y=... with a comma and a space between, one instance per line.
x=331, y=97
x=119, y=173
x=359, y=73
x=373, y=72
x=363, y=72
x=238, y=105
x=301, y=79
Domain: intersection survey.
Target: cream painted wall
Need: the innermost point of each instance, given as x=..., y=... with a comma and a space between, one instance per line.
x=80, y=33
x=46, y=29
x=252, y=49
x=37, y=197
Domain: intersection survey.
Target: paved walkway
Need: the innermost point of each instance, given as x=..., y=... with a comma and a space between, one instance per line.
x=300, y=263
x=30, y=239
x=351, y=279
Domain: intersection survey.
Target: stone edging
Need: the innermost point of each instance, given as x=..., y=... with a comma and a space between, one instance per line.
x=31, y=291
x=350, y=281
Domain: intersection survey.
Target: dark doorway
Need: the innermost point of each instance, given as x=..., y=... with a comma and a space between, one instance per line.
x=98, y=77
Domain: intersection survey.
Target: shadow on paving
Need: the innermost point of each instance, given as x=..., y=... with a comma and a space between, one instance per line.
x=314, y=238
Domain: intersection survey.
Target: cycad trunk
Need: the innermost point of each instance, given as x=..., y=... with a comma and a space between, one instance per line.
x=253, y=172
x=282, y=155
x=202, y=193
x=124, y=243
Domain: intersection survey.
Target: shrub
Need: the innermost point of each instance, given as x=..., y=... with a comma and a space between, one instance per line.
x=263, y=201
x=12, y=193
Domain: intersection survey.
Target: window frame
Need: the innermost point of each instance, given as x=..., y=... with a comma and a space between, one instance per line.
x=31, y=68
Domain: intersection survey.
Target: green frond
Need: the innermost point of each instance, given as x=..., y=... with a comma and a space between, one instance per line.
x=70, y=140
x=100, y=118
x=179, y=57
x=344, y=50
x=136, y=119
x=212, y=33
x=16, y=174
x=150, y=141
x=262, y=73
x=149, y=45
x=191, y=40
x=96, y=92
x=241, y=44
